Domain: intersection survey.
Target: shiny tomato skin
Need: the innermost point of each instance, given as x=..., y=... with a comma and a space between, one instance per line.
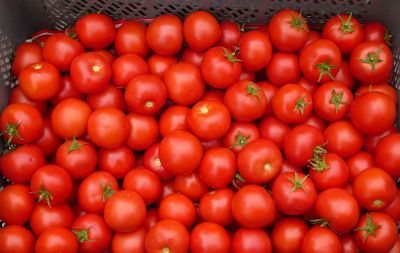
x=26, y=54
x=191, y=56
x=152, y=162
x=110, y=96
x=126, y=67
x=158, y=64
x=107, y=54
x=255, y=50
x=168, y=189
x=178, y=207
x=239, y=135
x=57, y=239
x=216, y=206
x=283, y=68
x=358, y=163
x=273, y=129
x=18, y=96
x=145, y=183
x=394, y=208
x=66, y=90
x=269, y=91
x=349, y=245
x=345, y=76
x=209, y=237
x=174, y=118
x=95, y=31
x=308, y=85
x=316, y=121
x=17, y=204
x=395, y=248
x=118, y=161
x=376, y=31
x=143, y=131
x=312, y=36
x=129, y=242
x=387, y=154
x=15, y=238
x=381, y=87
x=247, y=75
x=287, y=235
x=231, y=33
x=251, y=240
x=131, y=39
x=321, y=240
x=190, y=185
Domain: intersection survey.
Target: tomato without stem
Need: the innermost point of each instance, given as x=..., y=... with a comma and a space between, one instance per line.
x=126, y=67
x=283, y=68
x=387, y=154
x=158, y=64
x=321, y=240
x=26, y=54
x=255, y=50
x=118, y=161
x=152, y=162
x=15, y=238
x=18, y=96
x=95, y=31
x=345, y=76
x=209, y=237
x=145, y=183
x=143, y=131
x=131, y=39
x=178, y=207
x=216, y=206
x=174, y=118
x=17, y=204
x=191, y=185
x=251, y=240
x=108, y=97
x=56, y=239
x=358, y=163
x=231, y=33
x=129, y=242
x=66, y=90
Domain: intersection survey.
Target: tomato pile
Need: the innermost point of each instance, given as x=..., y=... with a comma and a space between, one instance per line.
x=192, y=135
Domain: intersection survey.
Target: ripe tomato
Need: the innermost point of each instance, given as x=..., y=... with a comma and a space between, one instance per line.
x=95, y=31
x=253, y=207
x=312, y=36
x=26, y=54
x=118, y=161
x=191, y=56
x=167, y=236
x=231, y=33
x=66, y=90
x=345, y=31
x=107, y=127
x=376, y=232
x=108, y=97
x=349, y=245
x=358, y=163
x=332, y=101
x=19, y=165
x=253, y=240
x=129, y=242
x=49, y=141
x=92, y=233
x=321, y=240
x=145, y=183
x=245, y=101
x=57, y=239
x=316, y=121
x=44, y=217
x=292, y=103
x=209, y=237
x=17, y=96
x=131, y=39
x=320, y=61
x=165, y=34
x=294, y=193
x=387, y=154
x=16, y=204
x=380, y=109
x=345, y=76
x=396, y=247
x=247, y=75
x=178, y=207
x=378, y=32
x=60, y=50
x=216, y=206
x=152, y=162
x=90, y=72
x=14, y=238
x=287, y=234
x=158, y=64
x=255, y=50
x=374, y=189
x=381, y=87
x=94, y=191
x=343, y=138
x=190, y=185
x=274, y=130
x=125, y=211
x=168, y=189
x=52, y=184
x=184, y=83
x=174, y=118
x=308, y=85
x=394, y=208
x=239, y=135
x=126, y=67
x=283, y=68
x=288, y=30
x=143, y=131
x=69, y=118
x=269, y=91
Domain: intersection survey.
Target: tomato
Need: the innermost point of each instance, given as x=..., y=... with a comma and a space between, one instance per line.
x=178, y=207
x=394, y=208
x=57, y=239
x=255, y=50
x=345, y=31
x=158, y=64
x=165, y=34
x=167, y=236
x=239, y=135
x=90, y=72
x=288, y=30
x=378, y=32
x=129, y=242
x=209, y=237
x=332, y=101
x=343, y=138
x=145, y=94
x=292, y=103
x=300, y=142
x=44, y=217
x=253, y=240
x=27, y=53
x=358, y=163
x=143, y=131
x=269, y=91
x=14, y=238
x=283, y=68
x=320, y=61
x=108, y=97
x=231, y=33
x=94, y=191
x=387, y=154
x=395, y=248
x=145, y=183
x=201, y=30
x=190, y=185
x=253, y=207
x=217, y=167
x=106, y=54
x=191, y=56
x=69, y=118
x=381, y=87
x=374, y=189
x=19, y=165
x=174, y=118
x=118, y=161
x=125, y=211
x=17, y=96
x=209, y=120
x=92, y=233
x=380, y=109
x=371, y=62
x=315, y=121
x=345, y=76
x=349, y=245
x=131, y=39
x=126, y=67
x=216, y=143
x=168, y=189
x=215, y=206
x=321, y=240
x=49, y=141
x=16, y=204
x=294, y=193
x=108, y=127
x=66, y=90
x=312, y=36
x=264, y=29
x=376, y=232
x=60, y=50
x=287, y=235
x=308, y=85
x=183, y=160
x=152, y=162
x=95, y=31
x=247, y=75
x=151, y=218
x=245, y=101
x=274, y=130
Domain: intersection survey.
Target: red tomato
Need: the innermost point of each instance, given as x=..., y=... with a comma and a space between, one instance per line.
x=308, y=85
x=264, y=29
x=239, y=135
x=349, y=245
x=394, y=208
x=165, y=34
x=320, y=61
x=108, y=97
x=106, y=54
x=387, y=154
x=57, y=239
x=358, y=163
x=283, y=68
x=321, y=240
x=152, y=162
x=95, y=31
x=214, y=94
x=191, y=56
x=216, y=206
x=158, y=64
x=118, y=161
x=143, y=131
x=49, y=141
x=129, y=242
x=288, y=30
x=381, y=87
x=209, y=237
x=287, y=234
x=190, y=185
x=168, y=189
x=253, y=207
x=274, y=130
x=247, y=75
x=17, y=96
x=26, y=54
x=174, y=118
x=126, y=67
x=66, y=90
x=145, y=183
x=312, y=36
x=14, y=238
x=378, y=32
x=345, y=76
x=178, y=207
x=131, y=39
x=16, y=204
x=316, y=121
x=231, y=33
x=396, y=247
x=253, y=240
x=269, y=92
x=255, y=50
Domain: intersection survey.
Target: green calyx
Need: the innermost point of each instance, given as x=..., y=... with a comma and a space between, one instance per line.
x=301, y=104
x=321, y=222
x=82, y=235
x=346, y=26
x=252, y=90
x=298, y=22
x=44, y=195
x=231, y=57
x=388, y=36
x=75, y=145
x=108, y=191
x=325, y=68
x=12, y=131
x=298, y=183
x=373, y=58
x=240, y=140
x=337, y=99
x=318, y=162
x=369, y=228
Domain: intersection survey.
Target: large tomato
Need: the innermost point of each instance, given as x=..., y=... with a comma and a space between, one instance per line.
x=129, y=242
x=255, y=50
x=349, y=245
x=359, y=162
x=239, y=135
x=376, y=31
x=131, y=39
x=191, y=185
x=253, y=240
x=26, y=54
x=216, y=206
x=287, y=234
x=110, y=96
x=143, y=131
x=57, y=239
x=118, y=161
x=16, y=204
x=174, y=118
x=145, y=183
x=283, y=68
x=387, y=154
x=209, y=237
x=274, y=130
x=178, y=207
x=158, y=64
x=231, y=33
x=15, y=238
x=126, y=67
x=321, y=240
